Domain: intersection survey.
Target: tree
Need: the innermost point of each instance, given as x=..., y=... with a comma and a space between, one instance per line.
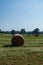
x=0, y=30
x=22, y=31
x=13, y=32
x=35, y=32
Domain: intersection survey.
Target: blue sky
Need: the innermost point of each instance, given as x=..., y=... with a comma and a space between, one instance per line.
x=18, y=14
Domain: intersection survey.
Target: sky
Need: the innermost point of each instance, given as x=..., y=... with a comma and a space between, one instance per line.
x=18, y=14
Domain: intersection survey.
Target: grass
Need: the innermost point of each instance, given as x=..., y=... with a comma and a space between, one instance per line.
x=31, y=53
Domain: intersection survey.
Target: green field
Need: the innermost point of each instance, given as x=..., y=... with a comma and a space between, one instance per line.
x=31, y=53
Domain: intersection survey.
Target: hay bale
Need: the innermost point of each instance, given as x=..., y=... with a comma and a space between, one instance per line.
x=17, y=40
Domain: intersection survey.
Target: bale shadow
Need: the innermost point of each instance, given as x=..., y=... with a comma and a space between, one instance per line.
x=10, y=46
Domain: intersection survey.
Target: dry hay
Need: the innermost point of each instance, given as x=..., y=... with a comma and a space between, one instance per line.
x=17, y=40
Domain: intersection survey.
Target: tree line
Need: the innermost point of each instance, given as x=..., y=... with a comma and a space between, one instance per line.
x=35, y=32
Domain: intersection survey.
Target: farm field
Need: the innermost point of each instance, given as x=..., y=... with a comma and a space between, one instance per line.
x=31, y=53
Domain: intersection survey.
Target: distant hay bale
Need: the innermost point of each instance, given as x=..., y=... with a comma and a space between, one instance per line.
x=17, y=40
x=36, y=35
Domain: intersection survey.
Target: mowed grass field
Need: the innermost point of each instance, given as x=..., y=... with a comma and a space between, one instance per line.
x=31, y=53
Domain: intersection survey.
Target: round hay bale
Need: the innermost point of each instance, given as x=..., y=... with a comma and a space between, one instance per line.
x=17, y=40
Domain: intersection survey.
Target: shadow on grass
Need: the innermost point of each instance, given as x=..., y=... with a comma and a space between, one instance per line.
x=10, y=46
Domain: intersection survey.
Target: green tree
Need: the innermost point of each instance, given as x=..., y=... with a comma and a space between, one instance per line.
x=13, y=32
x=35, y=32
x=0, y=30
x=22, y=31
